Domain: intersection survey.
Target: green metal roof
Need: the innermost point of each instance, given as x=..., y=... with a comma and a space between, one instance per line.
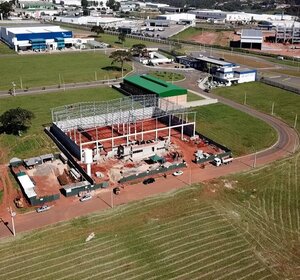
x=156, y=86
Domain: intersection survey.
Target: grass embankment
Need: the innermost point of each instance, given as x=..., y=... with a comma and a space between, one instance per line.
x=54, y=69
x=262, y=96
x=242, y=133
x=167, y=76
x=4, y=49
x=35, y=141
x=193, y=97
x=245, y=227
x=188, y=33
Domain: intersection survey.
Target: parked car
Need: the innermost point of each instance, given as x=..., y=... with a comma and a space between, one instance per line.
x=148, y=181
x=85, y=197
x=178, y=173
x=116, y=191
x=43, y=208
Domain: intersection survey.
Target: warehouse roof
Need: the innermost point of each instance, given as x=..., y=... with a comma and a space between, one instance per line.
x=214, y=61
x=35, y=29
x=251, y=33
x=26, y=184
x=154, y=85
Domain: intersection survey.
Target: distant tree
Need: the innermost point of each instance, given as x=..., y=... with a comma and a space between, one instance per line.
x=97, y=29
x=113, y=5
x=122, y=37
x=138, y=49
x=120, y=57
x=84, y=4
x=6, y=8
x=16, y=120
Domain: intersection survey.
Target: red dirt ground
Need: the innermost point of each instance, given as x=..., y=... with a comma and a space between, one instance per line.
x=221, y=38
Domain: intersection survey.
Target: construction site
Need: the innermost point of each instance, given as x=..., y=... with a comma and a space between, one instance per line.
x=126, y=139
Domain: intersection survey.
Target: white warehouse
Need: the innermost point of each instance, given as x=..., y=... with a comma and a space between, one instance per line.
x=178, y=17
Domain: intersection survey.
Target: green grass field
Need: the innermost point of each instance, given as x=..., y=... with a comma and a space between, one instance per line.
x=236, y=130
x=35, y=141
x=55, y=69
x=4, y=49
x=241, y=227
x=262, y=96
x=167, y=76
x=193, y=97
x=188, y=33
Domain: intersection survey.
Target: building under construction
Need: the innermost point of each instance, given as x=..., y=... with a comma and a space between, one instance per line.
x=288, y=33
x=131, y=128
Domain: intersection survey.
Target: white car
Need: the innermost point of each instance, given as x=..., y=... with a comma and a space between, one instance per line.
x=43, y=208
x=85, y=197
x=178, y=173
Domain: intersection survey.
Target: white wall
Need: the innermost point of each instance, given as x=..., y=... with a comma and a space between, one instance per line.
x=247, y=77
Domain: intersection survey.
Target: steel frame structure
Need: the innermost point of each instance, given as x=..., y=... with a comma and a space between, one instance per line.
x=125, y=114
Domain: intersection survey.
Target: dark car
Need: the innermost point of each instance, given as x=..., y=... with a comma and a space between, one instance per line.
x=148, y=181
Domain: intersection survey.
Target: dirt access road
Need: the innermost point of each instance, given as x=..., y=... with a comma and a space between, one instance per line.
x=288, y=142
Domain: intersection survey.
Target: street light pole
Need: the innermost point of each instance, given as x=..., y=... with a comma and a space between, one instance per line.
x=112, y=199
x=295, y=123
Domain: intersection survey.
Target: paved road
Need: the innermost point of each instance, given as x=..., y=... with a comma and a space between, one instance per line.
x=288, y=141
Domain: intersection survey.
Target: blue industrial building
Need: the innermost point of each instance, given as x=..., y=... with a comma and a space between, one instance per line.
x=37, y=38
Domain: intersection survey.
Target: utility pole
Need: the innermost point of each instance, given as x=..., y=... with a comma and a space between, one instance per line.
x=273, y=104
x=245, y=99
x=14, y=88
x=295, y=122
x=190, y=179
x=95, y=75
x=21, y=83
x=255, y=155
x=112, y=199
x=12, y=215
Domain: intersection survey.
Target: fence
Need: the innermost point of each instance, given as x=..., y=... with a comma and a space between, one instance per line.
x=273, y=83
x=161, y=169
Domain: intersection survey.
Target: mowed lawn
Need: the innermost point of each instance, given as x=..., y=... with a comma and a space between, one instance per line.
x=241, y=227
x=35, y=141
x=242, y=133
x=262, y=96
x=55, y=69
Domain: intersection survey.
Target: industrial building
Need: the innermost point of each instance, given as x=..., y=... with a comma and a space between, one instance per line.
x=222, y=71
x=223, y=16
x=179, y=18
x=234, y=75
x=251, y=38
x=147, y=84
x=37, y=38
